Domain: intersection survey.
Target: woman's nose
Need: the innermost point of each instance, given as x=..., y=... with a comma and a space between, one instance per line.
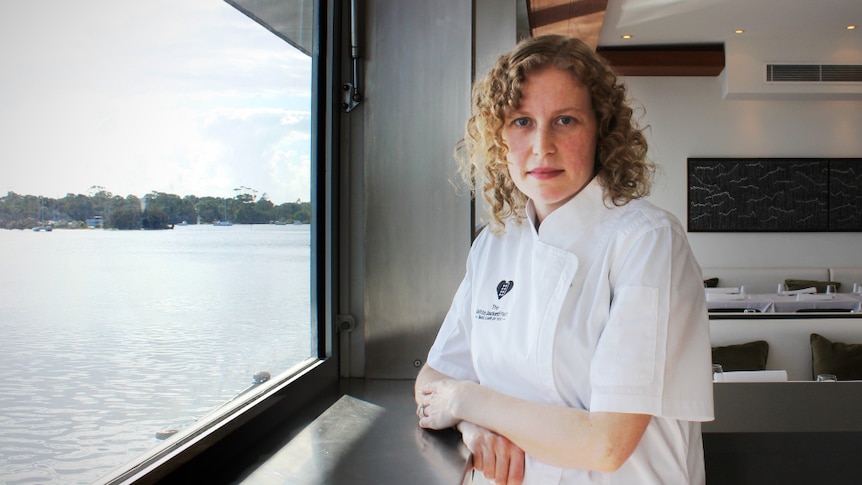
x=543, y=142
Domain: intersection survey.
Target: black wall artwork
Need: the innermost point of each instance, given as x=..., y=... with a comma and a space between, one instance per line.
x=774, y=194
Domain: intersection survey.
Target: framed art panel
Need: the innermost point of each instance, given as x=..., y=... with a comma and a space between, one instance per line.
x=845, y=195
x=774, y=194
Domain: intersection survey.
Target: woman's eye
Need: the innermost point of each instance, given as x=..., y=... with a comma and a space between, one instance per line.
x=566, y=120
x=521, y=122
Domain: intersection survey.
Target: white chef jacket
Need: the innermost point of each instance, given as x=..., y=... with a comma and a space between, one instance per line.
x=602, y=308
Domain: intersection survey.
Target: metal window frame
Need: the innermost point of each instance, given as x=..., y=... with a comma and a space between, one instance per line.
x=247, y=421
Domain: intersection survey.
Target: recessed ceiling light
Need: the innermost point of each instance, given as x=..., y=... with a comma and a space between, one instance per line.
x=851, y=27
x=627, y=36
x=738, y=31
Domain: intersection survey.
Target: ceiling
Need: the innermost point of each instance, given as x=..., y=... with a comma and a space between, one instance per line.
x=686, y=37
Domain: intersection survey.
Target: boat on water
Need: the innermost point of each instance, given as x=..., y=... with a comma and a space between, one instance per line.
x=225, y=221
x=42, y=227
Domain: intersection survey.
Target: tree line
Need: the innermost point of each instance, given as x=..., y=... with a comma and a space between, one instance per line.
x=156, y=210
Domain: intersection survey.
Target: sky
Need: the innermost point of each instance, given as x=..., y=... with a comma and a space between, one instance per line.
x=186, y=97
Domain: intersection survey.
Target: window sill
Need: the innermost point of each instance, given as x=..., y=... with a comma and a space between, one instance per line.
x=368, y=434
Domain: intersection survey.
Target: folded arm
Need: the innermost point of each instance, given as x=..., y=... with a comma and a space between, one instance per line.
x=428, y=377
x=556, y=435
x=494, y=455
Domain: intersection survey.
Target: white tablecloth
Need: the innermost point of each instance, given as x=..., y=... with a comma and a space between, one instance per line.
x=769, y=303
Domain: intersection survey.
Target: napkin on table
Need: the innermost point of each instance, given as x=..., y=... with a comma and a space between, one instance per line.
x=814, y=297
x=724, y=289
x=802, y=291
x=724, y=297
x=751, y=376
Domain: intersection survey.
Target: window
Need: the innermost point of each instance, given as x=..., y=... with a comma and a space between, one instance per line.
x=161, y=266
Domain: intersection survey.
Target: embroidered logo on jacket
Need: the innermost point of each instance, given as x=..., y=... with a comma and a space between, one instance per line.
x=495, y=314
x=504, y=287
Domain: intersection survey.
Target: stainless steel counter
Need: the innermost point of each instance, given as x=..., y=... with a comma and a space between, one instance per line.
x=368, y=435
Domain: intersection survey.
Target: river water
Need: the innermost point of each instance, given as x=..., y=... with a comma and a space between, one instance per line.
x=111, y=336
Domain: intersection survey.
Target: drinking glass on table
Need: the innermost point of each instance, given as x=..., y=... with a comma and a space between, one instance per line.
x=857, y=289
x=717, y=373
x=831, y=289
x=743, y=293
x=781, y=288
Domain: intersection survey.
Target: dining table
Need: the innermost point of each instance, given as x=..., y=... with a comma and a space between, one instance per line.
x=726, y=300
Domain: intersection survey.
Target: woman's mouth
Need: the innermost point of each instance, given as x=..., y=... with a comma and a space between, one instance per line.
x=544, y=173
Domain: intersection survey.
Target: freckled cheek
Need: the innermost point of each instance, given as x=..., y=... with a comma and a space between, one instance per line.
x=517, y=149
x=581, y=148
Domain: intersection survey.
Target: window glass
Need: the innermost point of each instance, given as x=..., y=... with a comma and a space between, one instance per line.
x=155, y=229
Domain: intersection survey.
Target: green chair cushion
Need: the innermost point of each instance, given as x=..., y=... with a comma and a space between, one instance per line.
x=840, y=359
x=746, y=356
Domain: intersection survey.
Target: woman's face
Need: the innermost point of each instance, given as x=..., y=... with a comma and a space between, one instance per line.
x=551, y=138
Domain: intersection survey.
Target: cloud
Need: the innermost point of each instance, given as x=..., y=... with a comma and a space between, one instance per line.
x=264, y=148
x=186, y=97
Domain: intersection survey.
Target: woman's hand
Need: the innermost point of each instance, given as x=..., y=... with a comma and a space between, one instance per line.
x=437, y=402
x=493, y=455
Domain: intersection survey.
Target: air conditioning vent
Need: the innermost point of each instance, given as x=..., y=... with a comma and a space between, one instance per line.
x=816, y=73
x=839, y=73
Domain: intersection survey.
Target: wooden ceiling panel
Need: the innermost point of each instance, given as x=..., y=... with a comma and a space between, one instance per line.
x=584, y=18
x=585, y=28
x=575, y=18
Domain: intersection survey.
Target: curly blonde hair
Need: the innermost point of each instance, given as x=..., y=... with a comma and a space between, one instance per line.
x=621, y=147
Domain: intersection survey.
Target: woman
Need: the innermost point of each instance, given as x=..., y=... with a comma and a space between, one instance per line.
x=577, y=347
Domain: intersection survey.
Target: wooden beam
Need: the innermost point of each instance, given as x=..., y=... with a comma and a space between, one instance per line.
x=547, y=12
x=576, y=18
x=669, y=60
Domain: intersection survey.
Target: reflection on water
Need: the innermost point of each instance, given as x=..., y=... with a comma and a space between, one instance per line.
x=110, y=336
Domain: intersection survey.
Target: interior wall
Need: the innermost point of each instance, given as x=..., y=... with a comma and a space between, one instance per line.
x=410, y=229
x=688, y=118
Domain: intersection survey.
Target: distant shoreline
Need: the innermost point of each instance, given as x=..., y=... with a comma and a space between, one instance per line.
x=88, y=228
x=156, y=210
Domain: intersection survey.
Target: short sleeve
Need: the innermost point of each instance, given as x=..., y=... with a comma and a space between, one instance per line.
x=654, y=354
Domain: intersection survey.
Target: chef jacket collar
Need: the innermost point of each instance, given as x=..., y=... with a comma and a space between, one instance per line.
x=583, y=210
